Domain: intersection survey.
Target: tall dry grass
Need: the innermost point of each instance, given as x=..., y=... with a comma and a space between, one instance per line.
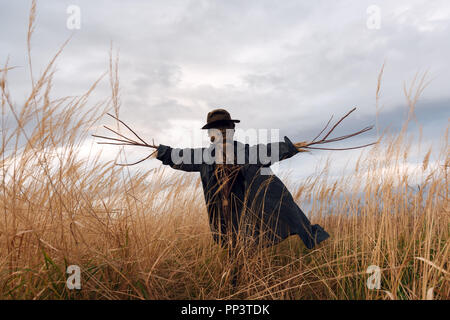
x=146, y=235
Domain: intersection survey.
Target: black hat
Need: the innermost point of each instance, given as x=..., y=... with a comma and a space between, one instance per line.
x=218, y=116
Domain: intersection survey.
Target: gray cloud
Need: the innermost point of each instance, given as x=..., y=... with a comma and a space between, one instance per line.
x=287, y=65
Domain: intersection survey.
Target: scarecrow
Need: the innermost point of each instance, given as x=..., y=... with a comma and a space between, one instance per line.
x=246, y=206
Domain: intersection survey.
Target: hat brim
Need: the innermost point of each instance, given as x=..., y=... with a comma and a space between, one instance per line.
x=219, y=122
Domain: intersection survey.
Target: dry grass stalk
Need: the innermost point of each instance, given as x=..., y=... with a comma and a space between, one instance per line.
x=146, y=235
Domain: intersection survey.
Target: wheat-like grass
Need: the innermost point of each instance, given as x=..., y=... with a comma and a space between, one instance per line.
x=146, y=235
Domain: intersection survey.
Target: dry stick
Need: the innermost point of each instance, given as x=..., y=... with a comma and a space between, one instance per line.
x=126, y=138
x=132, y=164
x=302, y=146
x=127, y=127
x=323, y=129
x=129, y=140
x=126, y=142
x=350, y=148
x=123, y=144
x=337, y=123
x=350, y=135
x=115, y=139
x=344, y=137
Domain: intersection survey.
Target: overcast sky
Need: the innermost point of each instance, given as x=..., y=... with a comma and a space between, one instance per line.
x=273, y=64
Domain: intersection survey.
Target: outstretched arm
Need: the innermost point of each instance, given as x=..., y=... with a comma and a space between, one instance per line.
x=268, y=154
x=181, y=159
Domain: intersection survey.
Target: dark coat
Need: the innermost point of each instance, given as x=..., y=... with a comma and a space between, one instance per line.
x=263, y=210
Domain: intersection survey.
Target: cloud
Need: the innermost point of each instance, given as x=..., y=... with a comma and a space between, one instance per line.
x=286, y=65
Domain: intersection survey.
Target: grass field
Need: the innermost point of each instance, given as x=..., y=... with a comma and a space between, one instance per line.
x=146, y=235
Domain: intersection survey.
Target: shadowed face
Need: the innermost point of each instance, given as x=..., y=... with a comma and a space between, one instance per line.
x=222, y=132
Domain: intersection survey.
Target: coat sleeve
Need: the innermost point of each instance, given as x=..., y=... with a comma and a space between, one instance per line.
x=268, y=154
x=181, y=159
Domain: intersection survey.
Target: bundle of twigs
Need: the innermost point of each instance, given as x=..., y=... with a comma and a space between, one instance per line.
x=306, y=146
x=301, y=146
x=125, y=141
